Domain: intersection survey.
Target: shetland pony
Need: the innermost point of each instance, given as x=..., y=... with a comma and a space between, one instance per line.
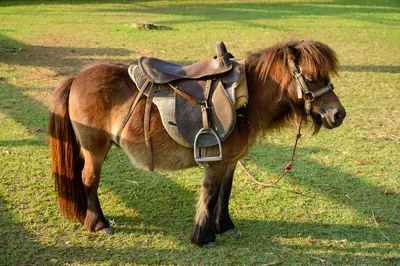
x=88, y=110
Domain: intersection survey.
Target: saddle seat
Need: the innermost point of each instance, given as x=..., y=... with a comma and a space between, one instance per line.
x=160, y=71
x=197, y=103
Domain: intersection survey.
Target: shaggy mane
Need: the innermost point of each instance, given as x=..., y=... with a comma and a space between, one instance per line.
x=315, y=58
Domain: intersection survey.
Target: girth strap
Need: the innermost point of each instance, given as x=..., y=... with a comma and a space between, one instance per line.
x=133, y=106
x=146, y=122
x=147, y=119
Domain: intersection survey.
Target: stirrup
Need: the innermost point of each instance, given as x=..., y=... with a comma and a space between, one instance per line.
x=197, y=155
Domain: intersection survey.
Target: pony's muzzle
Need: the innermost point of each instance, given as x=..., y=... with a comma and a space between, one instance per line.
x=332, y=117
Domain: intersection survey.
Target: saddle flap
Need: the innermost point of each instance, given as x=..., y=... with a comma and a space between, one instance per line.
x=189, y=116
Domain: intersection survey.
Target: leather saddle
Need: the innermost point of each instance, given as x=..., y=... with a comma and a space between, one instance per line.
x=197, y=103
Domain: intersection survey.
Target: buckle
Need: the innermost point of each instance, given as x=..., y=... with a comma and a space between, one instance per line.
x=204, y=104
x=311, y=94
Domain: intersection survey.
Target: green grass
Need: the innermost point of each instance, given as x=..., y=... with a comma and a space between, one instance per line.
x=340, y=204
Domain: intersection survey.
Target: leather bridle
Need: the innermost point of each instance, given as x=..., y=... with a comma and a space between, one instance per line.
x=303, y=92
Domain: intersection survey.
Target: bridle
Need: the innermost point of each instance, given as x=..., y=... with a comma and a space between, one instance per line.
x=303, y=92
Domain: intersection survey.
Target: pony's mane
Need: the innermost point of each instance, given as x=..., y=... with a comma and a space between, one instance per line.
x=315, y=58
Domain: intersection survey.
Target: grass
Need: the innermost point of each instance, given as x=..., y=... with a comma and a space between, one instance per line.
x=339, y=205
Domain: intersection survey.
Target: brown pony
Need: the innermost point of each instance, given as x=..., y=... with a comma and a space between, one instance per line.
x=88, y=110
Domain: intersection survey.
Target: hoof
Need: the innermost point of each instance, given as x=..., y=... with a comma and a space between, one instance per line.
x=106, y=231
x=233, y=233
x=211, y=244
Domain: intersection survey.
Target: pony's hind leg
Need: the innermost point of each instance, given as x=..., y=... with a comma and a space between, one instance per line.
x=203, y=231
x=222, y=220
x=94, y=220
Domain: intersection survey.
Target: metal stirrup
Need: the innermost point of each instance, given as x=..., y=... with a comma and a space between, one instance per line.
x=197, y=150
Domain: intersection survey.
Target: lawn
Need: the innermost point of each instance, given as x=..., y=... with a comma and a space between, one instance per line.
x=339, y=205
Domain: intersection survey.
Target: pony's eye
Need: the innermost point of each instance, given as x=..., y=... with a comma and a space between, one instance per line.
x=310, y=80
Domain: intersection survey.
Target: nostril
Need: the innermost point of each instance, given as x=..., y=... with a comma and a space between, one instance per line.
x=340, y=115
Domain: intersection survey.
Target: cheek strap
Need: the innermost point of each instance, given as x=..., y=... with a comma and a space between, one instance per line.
x=303, y=92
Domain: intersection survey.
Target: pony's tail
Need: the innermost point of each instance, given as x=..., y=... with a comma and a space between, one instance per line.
x=67, y=163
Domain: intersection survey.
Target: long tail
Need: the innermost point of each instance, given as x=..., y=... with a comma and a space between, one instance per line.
x=67, y=164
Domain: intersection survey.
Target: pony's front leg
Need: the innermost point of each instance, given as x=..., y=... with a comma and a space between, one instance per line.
x=203, y=231
x=222, y=219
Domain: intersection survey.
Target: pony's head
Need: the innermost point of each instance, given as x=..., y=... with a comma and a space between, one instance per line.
x=311, y=64
x=297, y=74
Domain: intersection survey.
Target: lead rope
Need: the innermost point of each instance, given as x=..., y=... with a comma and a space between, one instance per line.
x=287, y=168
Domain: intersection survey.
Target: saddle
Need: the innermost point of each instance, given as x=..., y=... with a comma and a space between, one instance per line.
x=197, y=103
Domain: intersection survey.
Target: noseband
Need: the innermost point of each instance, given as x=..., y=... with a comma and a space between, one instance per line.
x=303, y=92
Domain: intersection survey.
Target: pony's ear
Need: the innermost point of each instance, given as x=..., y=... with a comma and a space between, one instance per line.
x=292, y=56
x=291, y=51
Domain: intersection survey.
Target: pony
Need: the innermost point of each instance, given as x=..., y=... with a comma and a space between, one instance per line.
x=88, y=110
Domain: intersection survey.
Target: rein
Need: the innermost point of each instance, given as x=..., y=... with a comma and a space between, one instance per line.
x=288, y=167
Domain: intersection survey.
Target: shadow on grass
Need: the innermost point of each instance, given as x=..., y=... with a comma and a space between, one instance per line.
x=62, y=60
x=250, y=13
x=23, y=109
x=375, y=69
